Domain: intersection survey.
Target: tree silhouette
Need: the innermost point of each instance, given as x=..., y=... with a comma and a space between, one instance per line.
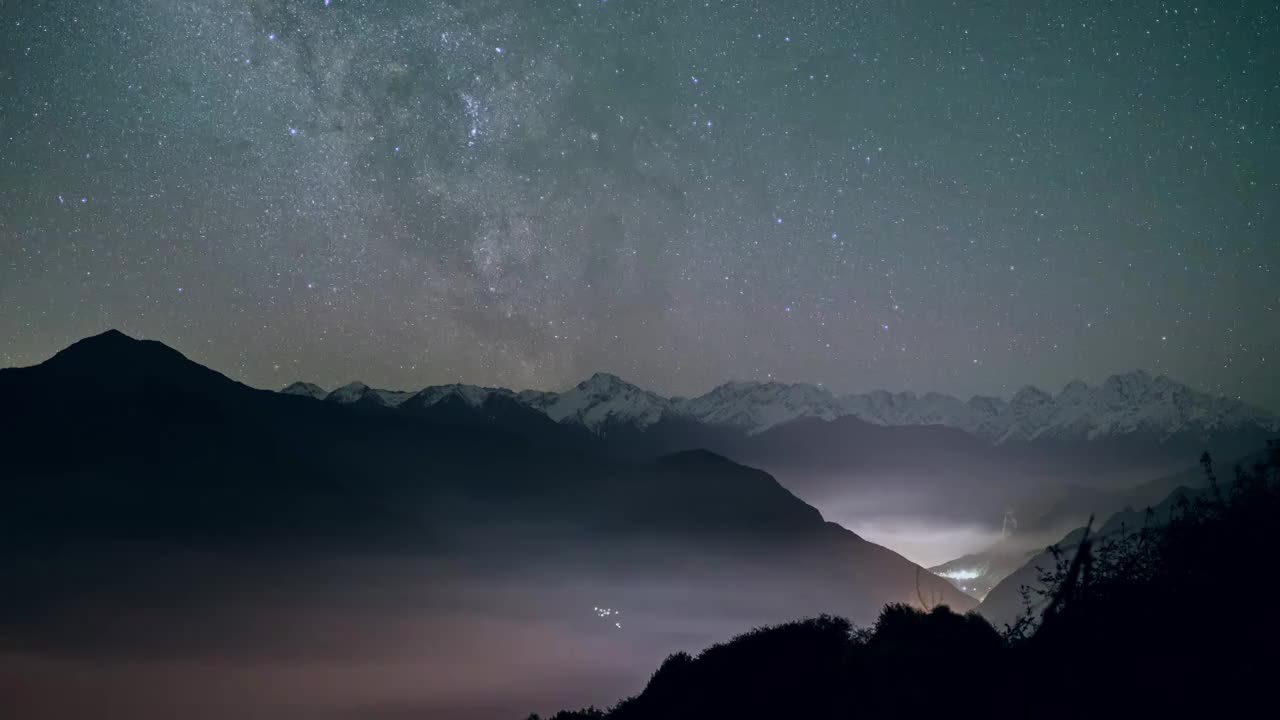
x=1158, y=620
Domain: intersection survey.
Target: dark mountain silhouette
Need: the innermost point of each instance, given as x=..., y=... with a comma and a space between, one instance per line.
x=117, y=439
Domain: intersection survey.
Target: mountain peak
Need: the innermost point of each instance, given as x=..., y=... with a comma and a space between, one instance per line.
x=603, y=399
x=1031, y=395
x=112, y=358
x=111, y=334
x=472, y=395
x=111, y=342
x=1129, y=381
x=604, y=382
x=305, y=389
x=695, y=457
x=358, y=392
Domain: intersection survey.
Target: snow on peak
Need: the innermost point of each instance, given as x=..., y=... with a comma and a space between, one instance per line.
x=359, y=392
x=605, y=382
x=349, y=393
x=905, y=408
x=305, y=389
x=756, y=407
x=1127, y=403
x=472, y=395
x=1030, y=396
x=1029, y=412
x=601, y=400
x=1137, y=401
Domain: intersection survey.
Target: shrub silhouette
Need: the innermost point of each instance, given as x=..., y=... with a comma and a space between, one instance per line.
x=793, y=670
x=1168, y=619
x=1190, y=592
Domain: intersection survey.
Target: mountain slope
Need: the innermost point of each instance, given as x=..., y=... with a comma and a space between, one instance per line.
x=1153, y=501
x=122, y=439
x=306, y=389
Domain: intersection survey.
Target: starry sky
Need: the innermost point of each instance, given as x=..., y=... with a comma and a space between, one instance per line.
x=962, y=196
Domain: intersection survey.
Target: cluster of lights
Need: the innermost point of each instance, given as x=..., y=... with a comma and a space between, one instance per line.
x=604, y=612
x=964, y=574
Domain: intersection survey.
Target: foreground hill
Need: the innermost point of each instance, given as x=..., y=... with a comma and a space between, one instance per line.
x=821, y=668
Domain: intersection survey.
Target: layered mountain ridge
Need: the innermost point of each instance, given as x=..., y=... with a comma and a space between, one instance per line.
x=1131, y=403
x=163, y=452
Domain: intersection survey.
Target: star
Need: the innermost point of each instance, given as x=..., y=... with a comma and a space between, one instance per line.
x=609, y=181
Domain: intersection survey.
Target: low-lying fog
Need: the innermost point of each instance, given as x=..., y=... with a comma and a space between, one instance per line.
x=152, y=634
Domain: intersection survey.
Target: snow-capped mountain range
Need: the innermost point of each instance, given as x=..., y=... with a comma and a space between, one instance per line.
x=1135, y=402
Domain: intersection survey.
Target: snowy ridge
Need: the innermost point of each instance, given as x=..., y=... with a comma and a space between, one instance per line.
x=755, y=406
x=1134, y=402
x=306, y=389
x=472, y=395
x=600, y=401
x=358, y=392
x=905, y=408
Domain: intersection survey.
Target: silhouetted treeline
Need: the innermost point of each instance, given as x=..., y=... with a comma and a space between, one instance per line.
x=1175, y=618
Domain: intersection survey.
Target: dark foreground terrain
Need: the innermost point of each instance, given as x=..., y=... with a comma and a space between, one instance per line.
x=1169, y=619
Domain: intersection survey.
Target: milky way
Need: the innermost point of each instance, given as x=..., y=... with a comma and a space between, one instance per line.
x=963, y=198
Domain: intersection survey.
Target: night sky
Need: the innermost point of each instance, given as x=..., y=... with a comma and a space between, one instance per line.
x=964, y=197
